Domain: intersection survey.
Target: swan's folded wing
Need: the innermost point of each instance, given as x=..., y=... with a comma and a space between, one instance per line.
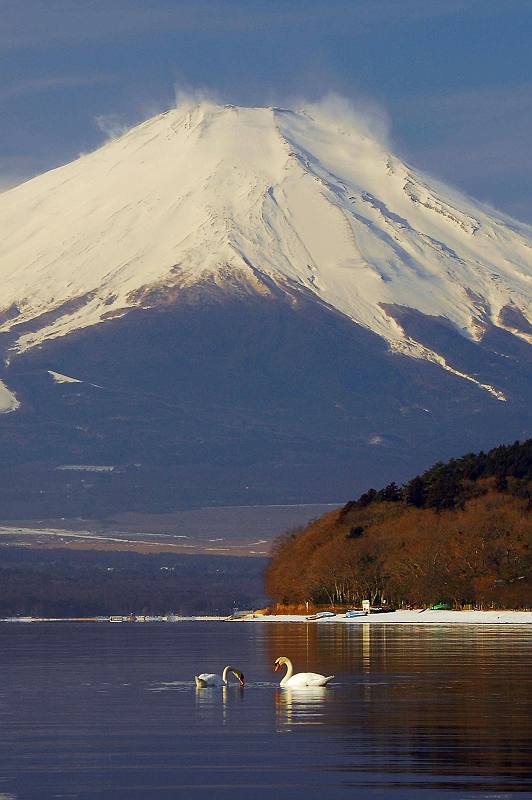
x=208, y=679
x=315, y=679
x=308, y=679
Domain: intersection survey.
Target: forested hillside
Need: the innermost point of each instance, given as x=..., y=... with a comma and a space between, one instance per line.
x=460, y=532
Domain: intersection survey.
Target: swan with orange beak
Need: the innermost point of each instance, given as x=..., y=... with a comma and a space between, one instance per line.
x=300, y=679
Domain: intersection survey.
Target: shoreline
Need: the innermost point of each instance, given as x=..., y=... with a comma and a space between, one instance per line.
x=410, y=617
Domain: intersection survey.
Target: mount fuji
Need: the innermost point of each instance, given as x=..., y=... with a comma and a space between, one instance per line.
x=231, y=304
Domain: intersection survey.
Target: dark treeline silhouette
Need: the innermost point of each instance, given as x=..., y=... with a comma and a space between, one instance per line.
x=59, y=582
x=460, y=532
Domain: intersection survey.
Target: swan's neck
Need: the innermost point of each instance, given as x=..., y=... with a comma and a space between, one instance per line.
x=224, y=674
x=289, y=671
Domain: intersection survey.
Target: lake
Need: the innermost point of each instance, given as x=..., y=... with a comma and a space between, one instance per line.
x=415, y=712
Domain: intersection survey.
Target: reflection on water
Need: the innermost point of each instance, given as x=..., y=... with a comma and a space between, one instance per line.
x=300, y=706
x=213, y=704
x=95, y=711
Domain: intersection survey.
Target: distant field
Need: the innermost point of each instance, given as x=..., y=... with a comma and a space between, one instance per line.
x=227, y=530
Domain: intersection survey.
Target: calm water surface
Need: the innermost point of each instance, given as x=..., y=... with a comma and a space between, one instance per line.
x=111, y=711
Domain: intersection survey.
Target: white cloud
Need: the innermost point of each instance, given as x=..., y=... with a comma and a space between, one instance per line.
x=186, y=96
x=364, y=114
x=112, y=125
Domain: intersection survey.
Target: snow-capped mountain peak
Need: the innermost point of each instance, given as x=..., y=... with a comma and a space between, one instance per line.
x=256, y=200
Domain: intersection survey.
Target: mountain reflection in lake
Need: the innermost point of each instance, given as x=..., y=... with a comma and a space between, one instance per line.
x=111, y=711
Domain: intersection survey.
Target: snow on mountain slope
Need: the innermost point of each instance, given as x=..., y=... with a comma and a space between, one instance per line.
x=256, y=199
x=58, y=377
x=8, y=401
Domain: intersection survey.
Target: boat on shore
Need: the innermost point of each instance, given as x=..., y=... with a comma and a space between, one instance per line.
x=322, y=615
x=238, y=614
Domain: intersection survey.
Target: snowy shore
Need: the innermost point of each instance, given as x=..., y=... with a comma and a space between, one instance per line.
x=412, y=617
x=415, y=616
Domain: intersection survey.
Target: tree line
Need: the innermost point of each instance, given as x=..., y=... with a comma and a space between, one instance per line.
x=460, y=532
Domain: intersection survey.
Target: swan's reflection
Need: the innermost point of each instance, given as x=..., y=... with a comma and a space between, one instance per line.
x=212, y=702
x=303, y=706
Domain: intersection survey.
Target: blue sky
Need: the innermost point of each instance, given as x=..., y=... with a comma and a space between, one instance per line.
x=454, y=77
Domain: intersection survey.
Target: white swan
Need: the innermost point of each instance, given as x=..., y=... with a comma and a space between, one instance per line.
x=211, y=679
x=301, y=678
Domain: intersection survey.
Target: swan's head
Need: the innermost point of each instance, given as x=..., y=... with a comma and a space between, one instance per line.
x=239, y=675
x=279, y=662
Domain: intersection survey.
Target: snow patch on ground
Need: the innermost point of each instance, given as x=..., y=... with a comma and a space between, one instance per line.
x=57, y=377
x=413, y=617
x=8, y=401
x=87, y=467
x=416, y=350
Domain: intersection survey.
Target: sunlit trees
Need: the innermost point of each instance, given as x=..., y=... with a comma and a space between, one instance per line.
x=458, y=533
